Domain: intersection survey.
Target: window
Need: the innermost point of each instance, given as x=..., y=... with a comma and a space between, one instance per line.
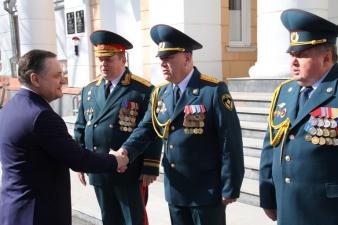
x=239, y=23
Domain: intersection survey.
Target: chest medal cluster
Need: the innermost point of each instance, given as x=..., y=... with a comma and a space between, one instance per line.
x=194, y=119
x=127, y=116
x=89, y=113
x=161, y=108
x=322, y=126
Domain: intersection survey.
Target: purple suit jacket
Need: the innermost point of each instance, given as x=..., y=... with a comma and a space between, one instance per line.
x=36, y=153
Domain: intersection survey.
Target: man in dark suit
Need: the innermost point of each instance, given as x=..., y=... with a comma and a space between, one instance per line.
x=111, y=107
x=299, y=169
x=36, y=150
x=195, y=116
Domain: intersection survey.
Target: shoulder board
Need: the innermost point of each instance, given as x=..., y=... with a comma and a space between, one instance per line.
x=210, y=79
x=97, y=80
x=162, y=84
x=141, y=80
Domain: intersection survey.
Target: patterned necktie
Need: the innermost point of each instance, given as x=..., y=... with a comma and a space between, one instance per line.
x=107, y=89
x=177, y=94
x=303, y=97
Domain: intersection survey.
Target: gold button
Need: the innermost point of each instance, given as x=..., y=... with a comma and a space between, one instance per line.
x=95, y=125
x=292, y=137
x=172, y=165
x=172, y=128
x=171, y=146
x=287, y=158
x=287, y=180
x=111, y=126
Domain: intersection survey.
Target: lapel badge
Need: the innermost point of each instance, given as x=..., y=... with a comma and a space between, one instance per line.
x=330, y=89
x=290, y=89
x=195, y=91
x=89, y=92
x=281, y=105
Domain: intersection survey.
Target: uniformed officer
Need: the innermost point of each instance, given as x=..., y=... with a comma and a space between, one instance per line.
x=299, y=169
x=195, y=116
x=111, y=107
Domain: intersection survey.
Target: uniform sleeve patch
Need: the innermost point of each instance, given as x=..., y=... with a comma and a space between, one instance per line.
x=227, y=102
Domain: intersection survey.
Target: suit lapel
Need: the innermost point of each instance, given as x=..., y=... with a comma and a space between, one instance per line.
x=189, y=94
x=325, y=91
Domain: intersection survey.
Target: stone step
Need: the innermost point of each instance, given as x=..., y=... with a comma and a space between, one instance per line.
x=253, y=129
x=253, y=110
x=251, y=162
x=252, y=96
x=250, y=192
x=249, y=199
x=249, y=99
x=253, y=85
x=254, y=114
x=250, y=186
x=251, y=174
x=253, y=152
x=253, y=143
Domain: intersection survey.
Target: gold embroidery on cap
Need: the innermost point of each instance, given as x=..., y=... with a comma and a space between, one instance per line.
x=294, y=37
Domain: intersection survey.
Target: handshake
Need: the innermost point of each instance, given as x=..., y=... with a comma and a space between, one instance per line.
x=122, y=159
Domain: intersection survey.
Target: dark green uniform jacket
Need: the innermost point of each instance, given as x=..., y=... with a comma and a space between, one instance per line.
x=105, y=124
x=301, y=180
x=203, y=155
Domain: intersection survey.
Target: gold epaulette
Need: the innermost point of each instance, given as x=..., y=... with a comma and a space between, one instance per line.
x=162, y=84
x=141, y=80
x=210, y=79
x=96, y=80
x=283, y=127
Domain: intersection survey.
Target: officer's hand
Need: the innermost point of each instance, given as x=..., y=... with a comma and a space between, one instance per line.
x=227, y=201
x=271, y=213
x=82, y=178
x=147, y=179
x=122, y=160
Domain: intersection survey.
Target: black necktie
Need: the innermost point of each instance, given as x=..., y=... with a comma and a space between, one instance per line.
x=303, y=97
x=177, y=94
x=107, y=89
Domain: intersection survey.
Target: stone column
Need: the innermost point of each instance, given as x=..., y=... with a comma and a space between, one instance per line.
x=5, y=43
x=198, y=19
x=124, y=18
x=36, y=25
x=78, y=26
x=273, y=38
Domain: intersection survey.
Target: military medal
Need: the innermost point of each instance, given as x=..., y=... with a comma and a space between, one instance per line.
x=315, y=140
x=333, y=133
x=320, y=122
x=194, y=116
x=329, y=141
x=327, y=123
x=319, y=132
x=326, y=132
x=322, y=141
x=308, y=137
x=127, y=116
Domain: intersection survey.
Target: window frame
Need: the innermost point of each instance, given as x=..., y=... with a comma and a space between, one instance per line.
x=245, y=41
